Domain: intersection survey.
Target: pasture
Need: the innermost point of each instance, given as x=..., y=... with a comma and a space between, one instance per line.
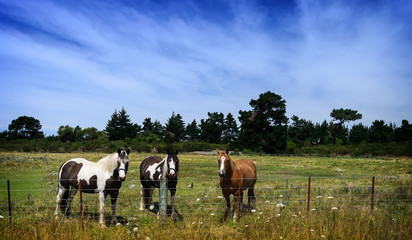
x=340, y=200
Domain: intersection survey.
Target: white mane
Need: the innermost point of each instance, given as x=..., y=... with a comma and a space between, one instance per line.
x=108, y=163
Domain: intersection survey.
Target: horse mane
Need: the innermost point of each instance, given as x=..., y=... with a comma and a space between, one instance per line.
x=233, y=164
x=108, y=163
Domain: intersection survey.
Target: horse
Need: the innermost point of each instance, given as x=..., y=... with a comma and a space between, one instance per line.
x=151, y=172
x=104, y=177
x=235, y=177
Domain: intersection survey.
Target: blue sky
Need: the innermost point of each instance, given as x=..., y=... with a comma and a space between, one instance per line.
x=75, y=62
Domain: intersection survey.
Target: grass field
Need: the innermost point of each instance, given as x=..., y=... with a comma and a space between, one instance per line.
x=340, y=203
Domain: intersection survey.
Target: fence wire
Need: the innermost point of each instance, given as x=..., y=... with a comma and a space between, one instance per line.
x=35, y=199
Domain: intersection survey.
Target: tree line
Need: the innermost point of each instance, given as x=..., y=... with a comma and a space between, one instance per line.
x=263, y=129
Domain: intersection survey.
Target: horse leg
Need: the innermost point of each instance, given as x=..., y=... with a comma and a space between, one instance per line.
x=72, y=193
x=102, y=198
x=150, y=194
x=142, y=198
x=227, y=210
x=251, y=198
x=114, y=199
x=61, y=199
x=172, y=197
x=238, y=197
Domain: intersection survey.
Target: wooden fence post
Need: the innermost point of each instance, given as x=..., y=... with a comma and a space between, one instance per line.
x=8, y=194
x=81, y=204
x=373, y=192
x=308, y=207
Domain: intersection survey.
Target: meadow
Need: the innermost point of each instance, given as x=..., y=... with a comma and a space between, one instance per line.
x=340, y=200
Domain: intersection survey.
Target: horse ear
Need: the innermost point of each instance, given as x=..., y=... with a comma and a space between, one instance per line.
x=167, y=151
x=119, y=151
x=128, y=150
x=177, y=151
x=227, y=151
x=217, y=150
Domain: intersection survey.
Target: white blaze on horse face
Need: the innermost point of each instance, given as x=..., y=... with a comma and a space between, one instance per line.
x=122, y=170
x=222, y=165
x=172, y=167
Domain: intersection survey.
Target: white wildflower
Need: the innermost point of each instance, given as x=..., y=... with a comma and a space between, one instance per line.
x=246, y=226
x=277, y=215
x=132, y=186
x=313, y=209
x=280, y=205
x=312, y=230
x=334, y=208
x=281, y=195
x=253, y=210
x=198, y=199
x=267, y=201
x=322, y=236
x=135, y=229
x=330, y=197
x=219, y=196
x=212, y=214
x=1, y=217
x=319, y=196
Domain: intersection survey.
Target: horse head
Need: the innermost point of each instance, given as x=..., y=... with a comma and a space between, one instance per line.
x=123, y=163
x=224, y=162
x=172, y=164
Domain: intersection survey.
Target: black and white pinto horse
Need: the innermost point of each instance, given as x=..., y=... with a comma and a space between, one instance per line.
x=151, y=172
x=104, y=177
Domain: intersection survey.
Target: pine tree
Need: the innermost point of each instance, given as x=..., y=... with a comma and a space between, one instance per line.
x=192, y=131
x=119, y=127
x=175, y=128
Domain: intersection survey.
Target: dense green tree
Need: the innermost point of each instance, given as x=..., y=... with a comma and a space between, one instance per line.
x=78, y=134
x=322, y=134
x=25, y=127
x=230, y=130
x=211, y=128
x=404, y=133
x=264, y=128
x=381, y=132
x=147, y=125
x=120, y=127
x=301, y=131
x=192, y=131
x=66, y=134
x=157, y=128
x=340, y=116
x=175, y=129
x=358, y=134
x=91, y=133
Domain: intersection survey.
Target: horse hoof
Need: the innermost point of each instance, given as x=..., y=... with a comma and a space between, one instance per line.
x=102, y=226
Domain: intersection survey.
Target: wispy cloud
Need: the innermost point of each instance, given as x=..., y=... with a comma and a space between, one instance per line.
x=75, y=63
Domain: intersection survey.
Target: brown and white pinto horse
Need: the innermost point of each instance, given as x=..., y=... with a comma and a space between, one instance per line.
x=236, y=176
x=104, y=177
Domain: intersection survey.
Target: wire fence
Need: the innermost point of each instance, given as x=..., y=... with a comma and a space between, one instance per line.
x=35, y=199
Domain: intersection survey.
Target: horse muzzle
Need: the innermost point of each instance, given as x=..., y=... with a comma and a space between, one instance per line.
x=122, y=174
x=222, y=174
x=172, y=173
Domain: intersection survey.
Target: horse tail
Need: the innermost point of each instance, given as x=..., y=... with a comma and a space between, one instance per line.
x=58, y=177
x=65, y=197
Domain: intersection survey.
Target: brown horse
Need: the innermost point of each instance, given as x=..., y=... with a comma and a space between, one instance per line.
x=236, y=176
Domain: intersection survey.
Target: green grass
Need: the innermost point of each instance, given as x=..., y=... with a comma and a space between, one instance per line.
x=281, y=179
